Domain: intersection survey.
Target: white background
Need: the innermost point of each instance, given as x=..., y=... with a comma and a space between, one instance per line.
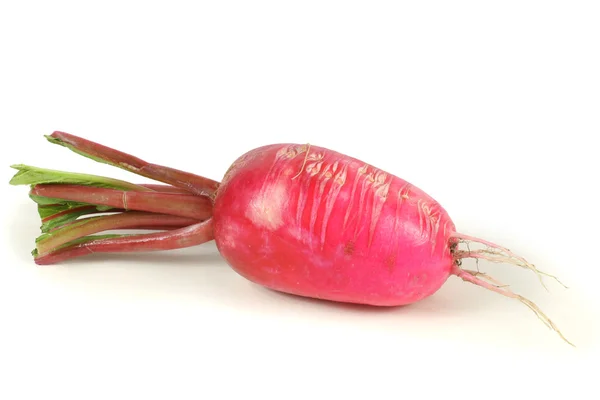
x=491, y=107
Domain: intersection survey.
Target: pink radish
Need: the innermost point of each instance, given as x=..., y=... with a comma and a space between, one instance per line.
x=299, y=219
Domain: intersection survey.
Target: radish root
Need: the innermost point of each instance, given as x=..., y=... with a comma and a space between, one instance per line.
x=488, y=278
x=470, y=276
x=498, y=254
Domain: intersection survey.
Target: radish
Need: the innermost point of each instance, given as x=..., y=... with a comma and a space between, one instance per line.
x=294, y=218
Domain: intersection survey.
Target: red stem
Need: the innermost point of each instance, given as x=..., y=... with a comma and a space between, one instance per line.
x=91, y=209
x=156, y=227
x=197, y=207
x=194, y=183
x=176, y=239
x=164, y=188
x=88, y=226
x=140, y=227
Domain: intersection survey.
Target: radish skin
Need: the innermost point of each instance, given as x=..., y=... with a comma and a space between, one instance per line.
x=294, y=218
x=342, y=230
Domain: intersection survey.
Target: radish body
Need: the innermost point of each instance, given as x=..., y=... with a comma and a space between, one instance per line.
x=317, y=223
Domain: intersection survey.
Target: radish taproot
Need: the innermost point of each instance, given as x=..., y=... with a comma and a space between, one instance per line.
x=294, y=218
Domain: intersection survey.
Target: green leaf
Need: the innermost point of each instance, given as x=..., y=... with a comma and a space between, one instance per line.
x=28, y=175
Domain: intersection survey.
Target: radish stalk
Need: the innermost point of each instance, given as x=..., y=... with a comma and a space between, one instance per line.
x=56, y=212
x=163, y=203
x=164, y=188
x=194, y=183
x=29, y=175
x=128, y=220
x=64, y=197
x=56, y=215
x=188, y=236
x=65, y=212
